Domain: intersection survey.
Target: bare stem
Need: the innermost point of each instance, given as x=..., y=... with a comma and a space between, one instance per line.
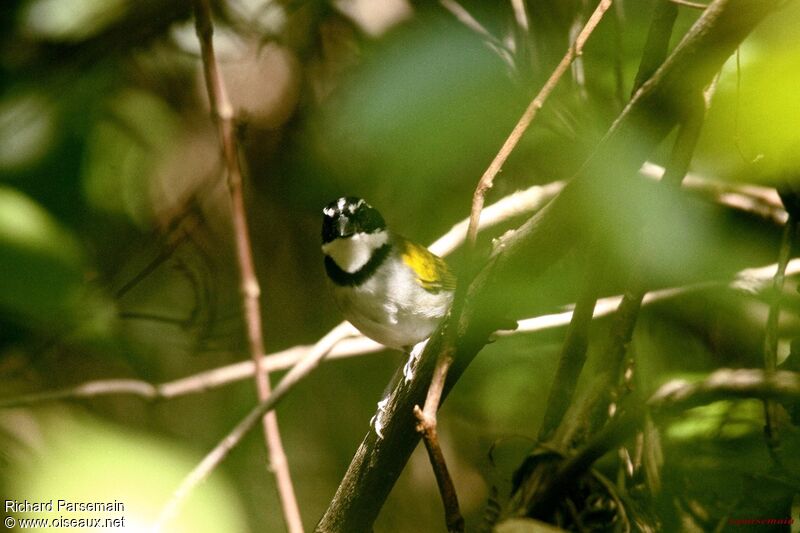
x=573, y=351
x=657, y=44
x=627, y=314
x=222, y=112
x=220, y=451
x=687, y=3
x=573, y=355
x=487, y=180
x=771, y=408
x=349, y=344
x=427, y=427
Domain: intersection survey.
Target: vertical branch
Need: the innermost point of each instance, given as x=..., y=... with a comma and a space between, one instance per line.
x=427, y=427
x=619, y=75
x=222, y=112
x=771, y=407
x=576, y=338
x=538, y=494
x=657, y=43
x=573, y=351
x=627, y=313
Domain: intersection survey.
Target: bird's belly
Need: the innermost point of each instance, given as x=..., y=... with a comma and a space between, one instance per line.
x=379, y=316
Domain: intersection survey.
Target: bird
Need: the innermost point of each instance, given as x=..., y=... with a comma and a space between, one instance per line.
x=392, y=289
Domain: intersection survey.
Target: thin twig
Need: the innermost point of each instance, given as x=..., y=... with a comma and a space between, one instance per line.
x=457, y=324
x=215, y=456
x=492, y=42
x=670, y=399
x=223, y=114
x=687, y=3
x=377, y=464
x=723, y=384
x=619, y=74
x=427, y=426
x=771, y=408
x=350, y=344
x=426, y=417
x=497, y=163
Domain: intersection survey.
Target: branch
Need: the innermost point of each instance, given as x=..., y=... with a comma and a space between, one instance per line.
x=493, y=43
x=215, y=456
x=497, y=163
x=771, y=409
x=671, y=399
x=687, y=3
x=678, y=395
x=222, y=112
x=643, y=124
x=350, y=344
x=657, y=44
x=456, y=324
x=573, y=352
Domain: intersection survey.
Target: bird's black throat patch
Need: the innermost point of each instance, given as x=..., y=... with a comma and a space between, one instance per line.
x=354, y=279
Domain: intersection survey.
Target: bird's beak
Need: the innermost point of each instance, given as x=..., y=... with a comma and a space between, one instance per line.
x=344, y=226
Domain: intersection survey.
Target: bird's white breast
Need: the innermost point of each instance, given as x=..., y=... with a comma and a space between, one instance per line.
x=391, y=307
x=352, y=253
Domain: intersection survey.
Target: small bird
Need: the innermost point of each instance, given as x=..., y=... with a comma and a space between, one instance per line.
x=393, y=290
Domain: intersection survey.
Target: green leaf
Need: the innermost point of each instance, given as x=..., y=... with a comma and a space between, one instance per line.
x=79, y=459
x=124, y=149
x=41, y=261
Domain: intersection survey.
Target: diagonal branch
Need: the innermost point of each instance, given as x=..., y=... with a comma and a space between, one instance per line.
x=232, y=439
x=427, y=419
x=347, y=343
x=573, y=351
x=646, y=120
x=487, y=179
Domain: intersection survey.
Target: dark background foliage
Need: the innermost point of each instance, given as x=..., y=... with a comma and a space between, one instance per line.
x=116, y=256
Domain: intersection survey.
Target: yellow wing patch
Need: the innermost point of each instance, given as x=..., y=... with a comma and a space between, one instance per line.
x=432, y=272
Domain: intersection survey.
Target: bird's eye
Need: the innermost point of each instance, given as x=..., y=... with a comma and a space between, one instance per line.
x=369, y=219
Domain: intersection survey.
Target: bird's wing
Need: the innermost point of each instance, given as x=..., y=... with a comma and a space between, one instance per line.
x=432, y=272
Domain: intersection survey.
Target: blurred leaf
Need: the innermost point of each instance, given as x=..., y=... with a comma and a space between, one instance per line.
x=123, y=150
x=720, y=420
x=91, y=461
x=525, y=525
x=70, y=20
x=422, y=110
x=41, y=262
x=26, y=130
x=770, y=112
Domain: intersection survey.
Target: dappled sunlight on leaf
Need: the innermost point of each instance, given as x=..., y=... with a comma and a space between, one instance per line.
x=70, y=20
x=80, y=459
x=26, y=130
